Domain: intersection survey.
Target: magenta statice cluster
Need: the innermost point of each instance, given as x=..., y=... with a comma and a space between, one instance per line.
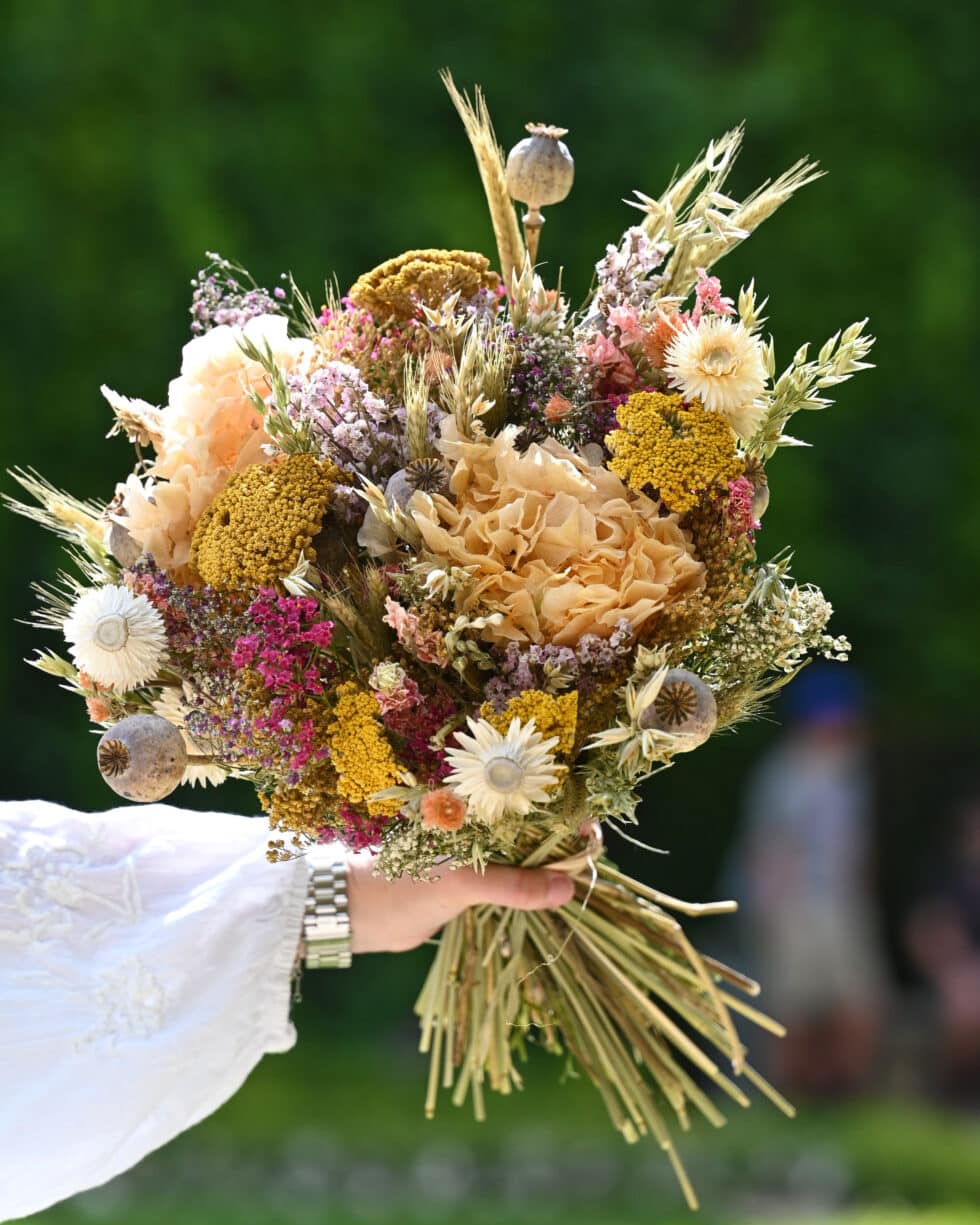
x=283, y=646
x=416, y=725
x=284, y=649
x=356, y=831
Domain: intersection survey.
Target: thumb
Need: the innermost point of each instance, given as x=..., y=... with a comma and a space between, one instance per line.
x=522, y=888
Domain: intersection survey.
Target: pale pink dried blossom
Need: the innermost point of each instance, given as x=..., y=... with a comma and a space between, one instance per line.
x=427, y=645
x=393, y=688
x=612, y=365
x=708, y=298
x=741, y=492
x=631, y=332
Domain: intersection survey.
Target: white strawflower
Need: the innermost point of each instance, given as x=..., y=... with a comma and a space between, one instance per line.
x=201, y=770
x=116, y=637
x=721, y=363
x=497, y=774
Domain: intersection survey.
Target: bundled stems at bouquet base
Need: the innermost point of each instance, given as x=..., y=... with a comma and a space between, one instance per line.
x=613, y=980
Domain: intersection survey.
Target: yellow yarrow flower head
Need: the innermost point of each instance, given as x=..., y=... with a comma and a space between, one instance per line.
x=675, y=448
x=262, y=524
x=359, y=751
x=396, y=289
x=553, y=714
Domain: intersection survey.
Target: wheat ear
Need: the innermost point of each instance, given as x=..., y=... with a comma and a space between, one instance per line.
x=490, y=161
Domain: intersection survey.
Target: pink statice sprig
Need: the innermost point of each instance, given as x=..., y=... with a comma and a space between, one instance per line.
x=708, y=298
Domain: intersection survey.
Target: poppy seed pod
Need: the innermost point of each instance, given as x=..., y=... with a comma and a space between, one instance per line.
x=684, y=706
x=540, y=169
x=143, y=758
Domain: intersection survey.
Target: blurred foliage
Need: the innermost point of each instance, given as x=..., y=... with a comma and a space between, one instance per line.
x=317, y=139
x=309, y=1141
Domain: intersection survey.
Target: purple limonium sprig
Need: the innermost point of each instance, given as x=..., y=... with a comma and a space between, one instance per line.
x=538, y=667
x=225, y=293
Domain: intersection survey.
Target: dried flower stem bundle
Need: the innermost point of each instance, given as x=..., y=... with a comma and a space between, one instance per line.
x=612, y=979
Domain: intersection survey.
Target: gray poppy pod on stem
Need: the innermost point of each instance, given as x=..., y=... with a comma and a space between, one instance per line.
x=142, y=757
x=684, y=706
x=540, y=170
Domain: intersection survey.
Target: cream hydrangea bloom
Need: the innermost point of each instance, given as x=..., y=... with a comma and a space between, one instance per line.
x=209, y=429
x=559, y=547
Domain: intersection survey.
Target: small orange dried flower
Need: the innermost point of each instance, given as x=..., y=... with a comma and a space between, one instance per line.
x=557, y=407
x=98, y=710
x=442, y=809
x=659, y=339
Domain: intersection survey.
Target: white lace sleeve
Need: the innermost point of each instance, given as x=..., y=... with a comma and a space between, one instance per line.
x=145, y=964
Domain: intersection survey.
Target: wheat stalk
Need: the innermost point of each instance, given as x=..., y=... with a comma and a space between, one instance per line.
x=416, y=396
x=612, y=980
x=490, y=161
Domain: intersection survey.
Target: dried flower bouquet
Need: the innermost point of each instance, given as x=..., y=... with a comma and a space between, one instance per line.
x=447, y=568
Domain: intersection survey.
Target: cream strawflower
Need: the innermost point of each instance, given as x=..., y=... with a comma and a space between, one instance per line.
x=497, y=774
x=721, y=363
x=172, y=705
x=116, y=637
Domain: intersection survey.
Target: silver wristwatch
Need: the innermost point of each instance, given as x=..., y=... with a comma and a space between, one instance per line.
x=326, y=923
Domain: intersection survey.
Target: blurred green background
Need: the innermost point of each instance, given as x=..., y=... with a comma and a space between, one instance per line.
x=318, y=139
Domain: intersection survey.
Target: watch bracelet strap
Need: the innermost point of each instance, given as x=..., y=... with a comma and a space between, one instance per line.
x=326, y=921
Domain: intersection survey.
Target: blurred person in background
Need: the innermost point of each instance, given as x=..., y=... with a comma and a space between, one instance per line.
x=804, y=863
x=942, y=937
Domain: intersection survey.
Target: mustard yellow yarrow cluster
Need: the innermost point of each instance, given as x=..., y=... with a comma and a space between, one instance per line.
x=359, y=751
x=395, y=289
x=673, y=447
x=303, y=809
x=263, y=522
x=553, y=715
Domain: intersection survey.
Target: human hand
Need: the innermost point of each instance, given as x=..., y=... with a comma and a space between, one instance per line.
x=394, y=916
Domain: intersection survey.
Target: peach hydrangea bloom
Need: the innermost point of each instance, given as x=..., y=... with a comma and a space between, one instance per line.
x=210, y=430
x=560, y=548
